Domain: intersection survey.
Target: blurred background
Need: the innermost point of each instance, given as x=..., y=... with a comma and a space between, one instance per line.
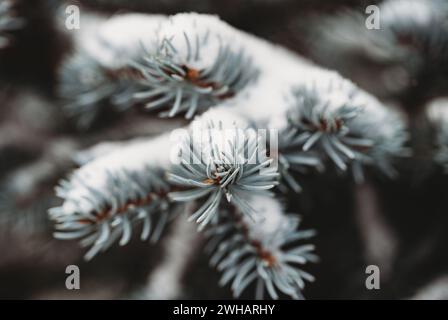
x=399, y=225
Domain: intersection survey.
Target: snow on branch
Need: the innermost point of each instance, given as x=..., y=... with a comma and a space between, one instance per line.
x=438, y=116
x=194, y=64
x=110, y=195
x=346, y=125
x=190, y=63
x=268, y=251
x=220, y=160
x=409, y=48
x=184, y=64
x=96, y=76
x=8, y=21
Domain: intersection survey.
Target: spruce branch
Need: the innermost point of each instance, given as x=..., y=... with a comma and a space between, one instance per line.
x=192, y=63
x=86, y=88
x=182, y=64
x=97, y=75
x=192, y=70
x=417, y=36
x=410, y=29
x=291, y=159
x=438, y=117
x=26, y=192
x=410, y=47
x=416, y=19
x=319, y=119
x=345, y=125
x=25, y=213
x=131, y=198
x=8, y=21
x=229, y=163
x=267, y=250
x=110, y=195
